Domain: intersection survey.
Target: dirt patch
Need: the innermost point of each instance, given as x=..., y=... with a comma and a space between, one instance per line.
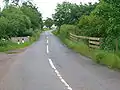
x=6, y=60
x=16, y=51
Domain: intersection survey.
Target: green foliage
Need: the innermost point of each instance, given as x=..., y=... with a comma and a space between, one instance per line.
x=106, y=58
x=3, y=43
x=35, y=36
x=34, y=15
x=55, y=32
x=48, y=23
x=109, y=59
x=65, y=29
x=3, y=27
x=102, y=21
x=68, y=13
x=6, y=45
x=92, y=26
x=19, y=21
x=80, y=48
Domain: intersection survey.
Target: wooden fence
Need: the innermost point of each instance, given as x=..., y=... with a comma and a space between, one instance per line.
x=93, y=41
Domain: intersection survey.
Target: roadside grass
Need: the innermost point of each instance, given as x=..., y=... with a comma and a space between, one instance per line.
x=13, y=46
x=46, y=29
x=109, y=59
x=55, y=32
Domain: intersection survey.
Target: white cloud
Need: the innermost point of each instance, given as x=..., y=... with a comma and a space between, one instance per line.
x=47, y=6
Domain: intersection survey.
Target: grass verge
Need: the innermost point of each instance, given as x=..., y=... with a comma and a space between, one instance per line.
x=110, y=59
x=13, y=46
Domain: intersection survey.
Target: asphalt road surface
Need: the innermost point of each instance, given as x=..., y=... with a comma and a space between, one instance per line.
x=50, y=65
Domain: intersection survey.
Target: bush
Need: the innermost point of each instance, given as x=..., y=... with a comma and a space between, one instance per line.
x=3, y=43
x=28, y=32
x=65, y=29
x=92, y=26
x=34, y=15
x=3, y=27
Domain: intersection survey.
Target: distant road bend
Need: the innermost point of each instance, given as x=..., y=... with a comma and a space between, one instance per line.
x=50, y=65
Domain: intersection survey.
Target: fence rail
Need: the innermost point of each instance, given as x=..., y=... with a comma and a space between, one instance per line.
x=94, y=42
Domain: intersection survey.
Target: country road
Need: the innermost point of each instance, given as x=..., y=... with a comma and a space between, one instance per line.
x=50, y=65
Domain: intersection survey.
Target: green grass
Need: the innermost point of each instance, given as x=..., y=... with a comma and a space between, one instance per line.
x=46, y=29
x=13, y=46
x=55, y=32
x=110, y=59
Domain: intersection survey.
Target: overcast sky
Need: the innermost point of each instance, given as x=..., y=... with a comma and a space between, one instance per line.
x=47, y=7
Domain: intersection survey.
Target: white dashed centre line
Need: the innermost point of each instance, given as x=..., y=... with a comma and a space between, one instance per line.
x=47, y=41
x=59, y=76
x=47, y=45
x=47, y=49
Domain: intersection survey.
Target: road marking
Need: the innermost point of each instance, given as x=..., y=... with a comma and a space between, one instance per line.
x=47, y=41
x=58, y=74
x=47, y=49
x=47, y=37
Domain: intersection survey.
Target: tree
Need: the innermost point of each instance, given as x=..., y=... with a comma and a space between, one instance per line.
x=62, y=14
x=48, y=23
x=68, y=13
x=6, y=3
x=18, y=22
x=110, y=11
x=92, y=25
x=34, y=15
x=3, y=27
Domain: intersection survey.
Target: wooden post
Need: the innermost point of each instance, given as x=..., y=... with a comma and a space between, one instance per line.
x=116, y=45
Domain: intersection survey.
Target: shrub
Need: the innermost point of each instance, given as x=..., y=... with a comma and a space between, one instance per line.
x=98, y=56
x=3, y=27
x=92, y=26
x=3, y=43
x=65, y=29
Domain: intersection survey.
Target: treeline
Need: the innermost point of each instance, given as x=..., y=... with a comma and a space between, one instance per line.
x=69, y=13
x=97, y=20
x=19, y=20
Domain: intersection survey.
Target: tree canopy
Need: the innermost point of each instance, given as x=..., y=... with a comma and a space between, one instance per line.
x=69, y=13
x=48, y=23
x=19, y=20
